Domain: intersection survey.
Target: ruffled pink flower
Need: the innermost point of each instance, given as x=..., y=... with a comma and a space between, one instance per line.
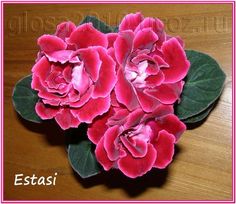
x=74, y=75
x=135, y=142
x=152, y=65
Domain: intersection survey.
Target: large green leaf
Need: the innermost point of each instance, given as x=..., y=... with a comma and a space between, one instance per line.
x=82, y=159
x=203, y=85
x=25, y=99
x=200, y=116
x=99, y=25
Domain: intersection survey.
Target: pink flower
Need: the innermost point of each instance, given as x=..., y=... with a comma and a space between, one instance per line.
x=73, y=75
x=135, y=142
x=151, y=65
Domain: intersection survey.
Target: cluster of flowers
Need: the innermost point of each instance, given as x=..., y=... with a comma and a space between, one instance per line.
x=124, y=85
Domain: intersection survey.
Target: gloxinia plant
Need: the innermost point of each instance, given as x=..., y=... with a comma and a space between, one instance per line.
x=134, y=86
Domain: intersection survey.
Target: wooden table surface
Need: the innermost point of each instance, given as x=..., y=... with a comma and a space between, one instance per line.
x=202, y=167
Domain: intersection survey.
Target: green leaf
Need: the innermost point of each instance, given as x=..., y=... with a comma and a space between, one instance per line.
x=82, y=159
x=199, y=117
x=203, y=85
x=25, y=99
x=115, y=29
x=98, y=24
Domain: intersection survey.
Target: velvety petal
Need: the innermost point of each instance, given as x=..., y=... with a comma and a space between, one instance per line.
x=160, y=61
x=80, y=79
x=123, y=46
x=141, y=57
x=148, y=103
x=164, y=146
x=61, y=56
x=167, y=93
x=160, y=111
x=144, y=39
x=101, y=156
x=134, y=167
x=111, y=53
x=134, y=118
x=153, y=69
x=92, y=62
x=73, y=96
x=125, y=93
x=92, y=109
x=97, y=129
x=86, y=35
x=131, y=21
x=51, y=43
x=137, y=150
x=181, y=42
x=156, y=25
x=45, y=112
x=110, y=138
x=43, y=92
x=41, y=69
x=66, y=119
x=82, y=100
x=118, y=117
x=67, y=73
x=111, y=37
x=114, y=101
x=65, y=29
x=171, y=124
x=155, y=80
x=107, y=75
x=175, y=56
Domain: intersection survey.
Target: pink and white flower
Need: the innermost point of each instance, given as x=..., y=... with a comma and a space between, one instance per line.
x=73, y=75
x=135, y=142
x=151, y=65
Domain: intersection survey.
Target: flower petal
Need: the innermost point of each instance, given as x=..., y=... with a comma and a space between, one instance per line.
x=110, y=137
x=134, y=118
x=123, y=46
x=134, y=167
x=155, y=80
x=171, y=124
x=61, y=56
x=66, y=119
x=101, y=156
x=92, y=62
x=86, y=35
x=160, y=111
x=82, y=100
x=160, y=61
x=164, y=146
x=118, y=117
x=175, y=56
x=167, y=93
x=51, y=43
x=111, y=37
x=125, y=93
x=156, y=25
x=97, y=129
x=107, y=75
x=41, y=69
x=92, y=109
x=148, y=103
x=42, y=91
x=46, y=112
x=138, y=150
x=65, y=29
x=131, y=21
x=144, y=39
x=80, y=79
